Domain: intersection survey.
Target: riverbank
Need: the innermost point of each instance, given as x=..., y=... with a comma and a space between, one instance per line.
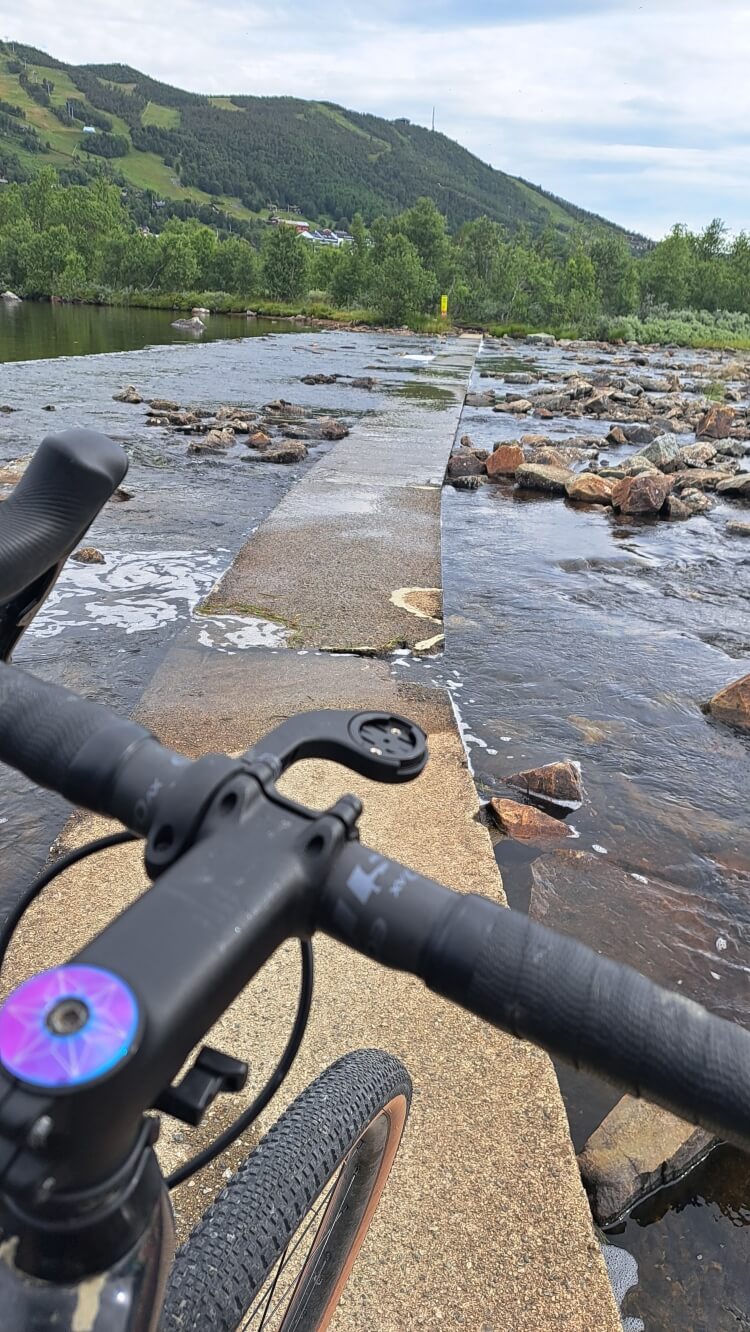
x=695, y=330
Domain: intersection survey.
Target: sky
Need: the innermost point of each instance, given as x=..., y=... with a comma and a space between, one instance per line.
x=637, y=111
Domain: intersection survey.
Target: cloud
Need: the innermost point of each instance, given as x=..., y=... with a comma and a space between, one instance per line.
x=526, y=85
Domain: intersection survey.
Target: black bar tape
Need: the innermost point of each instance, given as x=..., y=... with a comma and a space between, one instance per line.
x=594, y=1013
x=69, y=479
x=43, y=728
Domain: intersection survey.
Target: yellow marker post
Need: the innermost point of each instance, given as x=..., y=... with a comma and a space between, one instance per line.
x=443, y=307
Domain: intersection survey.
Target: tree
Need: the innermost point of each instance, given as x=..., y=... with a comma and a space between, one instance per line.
x=286, y=264
x=179, y=267
x=616, y=273
x=425, y=227
x=668, y=269
x=400, y=285
x=72, y=280
x=580, y=300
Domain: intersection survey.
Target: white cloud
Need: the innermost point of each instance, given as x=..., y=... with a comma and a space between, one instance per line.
x=528, y=96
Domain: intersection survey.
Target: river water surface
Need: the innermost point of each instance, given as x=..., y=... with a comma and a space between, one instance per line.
x=569, y=635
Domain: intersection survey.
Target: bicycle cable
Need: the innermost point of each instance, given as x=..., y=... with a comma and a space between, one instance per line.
x=9, y=925
x=256, y=1107
x=289, y=1054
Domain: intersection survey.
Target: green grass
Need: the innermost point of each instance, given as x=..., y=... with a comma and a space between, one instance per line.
x=225, y=104
x=333, y=113
x=164, y=117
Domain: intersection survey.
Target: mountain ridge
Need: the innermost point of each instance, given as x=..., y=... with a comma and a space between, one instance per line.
x=249, y=155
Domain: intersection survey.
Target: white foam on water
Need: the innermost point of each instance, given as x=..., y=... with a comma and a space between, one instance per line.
x=622, y=1270
x=233, y=633
x=135, y=591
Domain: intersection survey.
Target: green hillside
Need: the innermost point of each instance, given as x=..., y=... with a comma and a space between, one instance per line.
x=249, y=155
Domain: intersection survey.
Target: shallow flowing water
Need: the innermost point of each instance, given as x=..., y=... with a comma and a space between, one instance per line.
x=573, y=634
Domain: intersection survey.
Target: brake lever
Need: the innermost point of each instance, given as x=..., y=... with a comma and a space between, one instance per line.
x=378, y=745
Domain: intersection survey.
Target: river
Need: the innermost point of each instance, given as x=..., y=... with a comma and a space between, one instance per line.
x=569, y=635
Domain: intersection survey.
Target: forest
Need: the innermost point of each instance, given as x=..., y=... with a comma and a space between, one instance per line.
x=82, y=242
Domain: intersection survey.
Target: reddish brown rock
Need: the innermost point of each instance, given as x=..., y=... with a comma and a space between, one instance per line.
x=505, y=460
x=716, y=423
x=641, y=494
x=555, y=783
x=732, y=704
x=588, y=488
x=259, y=440
x=699, y=478
x=523, y=823
x=88, y=555
x=330, y=428
x=617, y=437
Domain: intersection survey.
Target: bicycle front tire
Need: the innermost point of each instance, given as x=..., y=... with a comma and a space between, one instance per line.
x=337, y=1141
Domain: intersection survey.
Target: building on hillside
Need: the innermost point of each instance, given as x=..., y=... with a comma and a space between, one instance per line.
x=89, y=129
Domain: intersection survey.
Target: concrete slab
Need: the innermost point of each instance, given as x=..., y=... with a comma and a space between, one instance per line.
x=364, y=523
x=484, y=1224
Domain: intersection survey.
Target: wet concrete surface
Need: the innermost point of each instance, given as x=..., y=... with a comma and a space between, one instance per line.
x=365, y=523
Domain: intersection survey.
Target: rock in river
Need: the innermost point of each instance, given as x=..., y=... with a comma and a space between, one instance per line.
x=663, y=452
x=11, y=298
x=638, y=1148
x=523, y=823
x=163, y=405
x=738, y=529
x=536, y=476
x=504, y=460
x=129, y=394
x=587, y=488
x=738, y=485
x=466, y=483
x=286, y=451
x=641, y=494
x=697, y=455
x=465, y=463
x=88, y=555
x=194, y=325
x=716, y=423
x=732, y=703
x=555, y=783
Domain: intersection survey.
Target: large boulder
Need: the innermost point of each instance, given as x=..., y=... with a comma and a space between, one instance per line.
x=696, y=455
x=638, y=1148
x=523, y=823
x=504, y=460
x=641, y=494
x=11, y=298
x=738, y=529
x=537, y=476
x=636, y=465
x=465, y=463
x=716, y=423
x=484, y=399
x=664, y=452
x=282, y=410
x=286, y=451
x=640, y=434
x=588, y=488
x=738, y=486
x=554, y=783
x=732, y=703
x=561, y=455
x=699, y=478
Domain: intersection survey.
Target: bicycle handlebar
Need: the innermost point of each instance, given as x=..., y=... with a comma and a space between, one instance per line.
x=547, y=988
x=507, y=969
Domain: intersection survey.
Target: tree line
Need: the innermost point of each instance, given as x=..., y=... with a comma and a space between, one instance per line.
x=81, y=241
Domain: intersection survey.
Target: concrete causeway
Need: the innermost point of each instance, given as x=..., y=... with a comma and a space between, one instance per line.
x=484, y=1225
